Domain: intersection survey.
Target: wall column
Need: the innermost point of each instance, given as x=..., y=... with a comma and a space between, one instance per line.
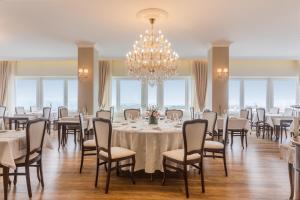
x=218, y=58
x=88, y=87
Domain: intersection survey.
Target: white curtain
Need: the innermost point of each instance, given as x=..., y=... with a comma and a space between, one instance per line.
x=104, y=83
x=200, y=70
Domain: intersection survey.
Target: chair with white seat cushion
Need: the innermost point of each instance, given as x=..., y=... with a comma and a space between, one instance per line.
x=35, y=132
x=109, y=154
x=174, y=114
x=88, y=147
x=218, y=148
x=20, y=110
x=211, y=117
x=194, y=132
x=132, y=113
x=104, y=114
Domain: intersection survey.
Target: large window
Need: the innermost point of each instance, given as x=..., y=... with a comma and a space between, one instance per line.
x=43, y=91
x=255, y=93
x=262, y=92
x=131, y=93
x=234, y=95
x=26, y=92
x=175, y=94
x=53, y=93
x=284, y=93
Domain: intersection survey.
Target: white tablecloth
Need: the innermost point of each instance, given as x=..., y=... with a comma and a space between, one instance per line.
x=148, y=141
x=234, y=124
x=274, y=119
x=88, y=120
x=288, y=153
x=13, y=146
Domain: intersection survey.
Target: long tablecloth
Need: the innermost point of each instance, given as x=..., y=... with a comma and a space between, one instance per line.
x=13, y=146
x=148, y=141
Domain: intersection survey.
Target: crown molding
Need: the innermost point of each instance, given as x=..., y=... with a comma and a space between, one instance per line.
x=221, y=43
x=84, y=44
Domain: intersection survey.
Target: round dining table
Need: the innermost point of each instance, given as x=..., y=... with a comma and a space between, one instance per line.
x=148, y=141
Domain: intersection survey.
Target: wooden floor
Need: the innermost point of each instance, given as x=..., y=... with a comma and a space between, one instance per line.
x=254, y=173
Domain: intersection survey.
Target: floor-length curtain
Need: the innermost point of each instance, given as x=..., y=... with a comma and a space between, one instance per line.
x=5, y=70
x=200, y=70
x=104, y=68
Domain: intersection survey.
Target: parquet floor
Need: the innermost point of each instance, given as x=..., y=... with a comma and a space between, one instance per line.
x=254, y=173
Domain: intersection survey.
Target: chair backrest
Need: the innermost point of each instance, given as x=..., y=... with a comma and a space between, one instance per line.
x=261, y=114
x=103, y=129
x=35, y=132
x=244, y=113
x=2, y=111
x=47, y=112
x=33, y=109
x=104, y=114
x=173, y=114
x=225, y=129
x=250, y=113
x=211, y=117
x=194, y=132
x=20, y=110
x=274, y=110
x=63, y=112
x=192, y=112
x=132, y=113
x=288, y=112
x=81, y=123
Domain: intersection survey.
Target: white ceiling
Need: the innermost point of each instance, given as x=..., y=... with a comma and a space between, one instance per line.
x=49, y=29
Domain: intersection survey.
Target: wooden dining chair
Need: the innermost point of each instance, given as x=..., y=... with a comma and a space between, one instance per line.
x=47, y=115
x=194, y=133
x=104, y=114
x=211, y=117
x=218, y=148
x=132, y=113
x=35, y=132
x=244, y=113
x=261, y=124
x=88, y=147
x=173, y=113
x=109, y=154
x=70, y=129
x=20, y=110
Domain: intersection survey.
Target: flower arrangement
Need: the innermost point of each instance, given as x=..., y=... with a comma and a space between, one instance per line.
x=153, y=114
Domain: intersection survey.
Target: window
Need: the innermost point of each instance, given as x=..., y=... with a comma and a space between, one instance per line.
x=26, y=93
x=255, y=93
x=41, y=92
x=130, y=94
x=234, y=95
x=175, y=94
x=152, y=95
x=53, y=93
x=284, y=93
x=72, y=94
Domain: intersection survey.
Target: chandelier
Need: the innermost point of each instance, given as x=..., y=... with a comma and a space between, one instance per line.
x=152, y=59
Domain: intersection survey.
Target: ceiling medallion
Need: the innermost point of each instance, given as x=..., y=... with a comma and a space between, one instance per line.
x=152, y=59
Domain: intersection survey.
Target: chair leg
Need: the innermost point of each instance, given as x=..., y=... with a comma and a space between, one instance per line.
x=186, y=181
x=82, y=158
x=165, y=171
x=28, y=181
x=231, y=139
x=225, y=166
x=202, y=176
x=246, y=139
x=15, y=176
x=108, y=177
x=97, y=173
x=132, y=170
x=41, y=173
x=117, y=168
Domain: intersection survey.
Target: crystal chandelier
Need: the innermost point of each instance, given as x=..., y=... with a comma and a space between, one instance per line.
x=152, y=59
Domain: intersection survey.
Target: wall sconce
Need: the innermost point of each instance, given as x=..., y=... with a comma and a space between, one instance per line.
x=222, y=73
x=83, y=72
